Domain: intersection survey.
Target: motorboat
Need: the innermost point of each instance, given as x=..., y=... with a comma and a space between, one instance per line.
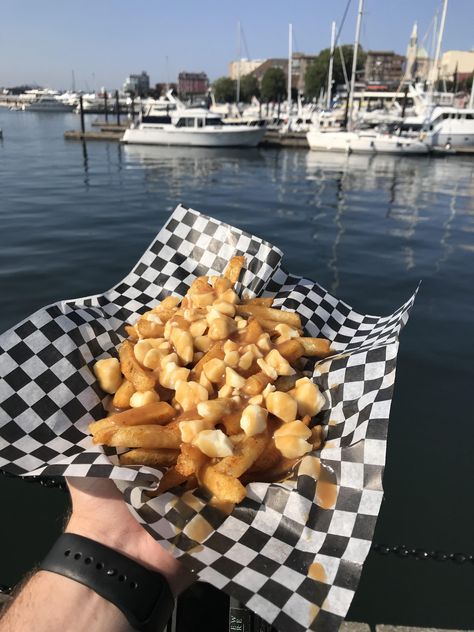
x=365, y=142
x=448, y=127
x=196, y=127
x=47, y=103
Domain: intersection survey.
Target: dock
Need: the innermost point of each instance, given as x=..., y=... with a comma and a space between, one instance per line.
x=94, y=135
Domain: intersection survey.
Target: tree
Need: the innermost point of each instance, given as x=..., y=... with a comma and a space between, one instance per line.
x=316, y=76
x=274, y=85
x=249, y=88
x=224, y=90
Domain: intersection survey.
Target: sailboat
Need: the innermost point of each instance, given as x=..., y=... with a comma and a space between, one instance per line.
x=362, y=141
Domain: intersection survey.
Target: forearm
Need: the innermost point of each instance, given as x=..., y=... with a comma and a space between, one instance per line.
x=50, y=602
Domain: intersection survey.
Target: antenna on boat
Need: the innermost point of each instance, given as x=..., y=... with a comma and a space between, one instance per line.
x=239, y=55
x=167, y=74
x=435, y=69
x=331, y=61
x=354, y=62
x=290, y=59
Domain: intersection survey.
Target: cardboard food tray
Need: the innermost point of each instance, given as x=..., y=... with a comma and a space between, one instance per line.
x=292, y=551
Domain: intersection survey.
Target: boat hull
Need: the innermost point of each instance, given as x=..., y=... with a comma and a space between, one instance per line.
x=241, y=136
x=353, y=142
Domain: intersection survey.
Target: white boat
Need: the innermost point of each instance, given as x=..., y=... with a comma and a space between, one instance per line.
x=195, y=127
x=362, y=141
x=365, y=142
x=447, y=127
x=48, y=103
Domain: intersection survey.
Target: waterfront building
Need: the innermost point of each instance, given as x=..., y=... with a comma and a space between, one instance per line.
x=247, y=66
x=138, y=85
x=456, y=65
x=192, y=84
x=384, y=68
x=299, y=65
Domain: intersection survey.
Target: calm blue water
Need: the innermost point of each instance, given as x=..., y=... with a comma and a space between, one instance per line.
x=74, y=219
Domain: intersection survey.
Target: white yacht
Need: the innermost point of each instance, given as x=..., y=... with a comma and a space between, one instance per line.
x=448, y=127
x=48, y=103
x=364, y=142
x=196, y=127
x=361, y=141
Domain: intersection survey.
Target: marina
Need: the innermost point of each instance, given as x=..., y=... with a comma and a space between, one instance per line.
x=369, y=228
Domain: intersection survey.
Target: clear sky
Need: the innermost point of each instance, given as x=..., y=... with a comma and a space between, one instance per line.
x=42, y=41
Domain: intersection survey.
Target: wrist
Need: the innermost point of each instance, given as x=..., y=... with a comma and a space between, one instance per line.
x=137, y=544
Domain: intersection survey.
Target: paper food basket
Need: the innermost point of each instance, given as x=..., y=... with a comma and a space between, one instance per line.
x=291, y=551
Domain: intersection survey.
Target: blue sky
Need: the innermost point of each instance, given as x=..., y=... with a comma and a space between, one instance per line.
x=42, y=41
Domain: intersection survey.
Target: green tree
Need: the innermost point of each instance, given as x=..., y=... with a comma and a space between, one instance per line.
x=274, y=85
x=224, y=90
x=249, y=88
x=316, y=76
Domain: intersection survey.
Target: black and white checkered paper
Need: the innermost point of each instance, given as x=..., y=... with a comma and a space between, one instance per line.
x=263, y=551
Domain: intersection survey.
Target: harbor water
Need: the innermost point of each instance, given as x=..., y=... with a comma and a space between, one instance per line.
x=74, y=219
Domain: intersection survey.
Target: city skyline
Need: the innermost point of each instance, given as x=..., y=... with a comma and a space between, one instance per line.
x=43, y=43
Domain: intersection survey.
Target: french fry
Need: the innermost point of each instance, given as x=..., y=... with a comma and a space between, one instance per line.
x=225, y=488
x=157, y=413
x=154, y=458
x=316, y=347
x=231, y=423
x=132, y=332
x=190, y=460
x=246, y=453
x=266, y=301
x=122, y=396
x=252, y=332
x=256, y=383
x=141, y=379
x=267, y=459
x=216, y=351
x=168, y=303
x=171, y=478
x=235, y=265
x=291, y=350
x=269, y=325
x=149, y=329
x=144, y=437
x=269, y=313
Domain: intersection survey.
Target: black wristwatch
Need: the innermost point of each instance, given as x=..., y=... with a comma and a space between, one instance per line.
x=143, y=596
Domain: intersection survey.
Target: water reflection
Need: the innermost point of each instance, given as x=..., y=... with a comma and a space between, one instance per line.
x=412, y=191
x=180, y=163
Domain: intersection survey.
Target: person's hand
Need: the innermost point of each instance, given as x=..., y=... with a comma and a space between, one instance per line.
x=100, y=513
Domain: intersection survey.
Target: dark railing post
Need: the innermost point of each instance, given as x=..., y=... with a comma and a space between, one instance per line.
x=81, y=112
x=117, y=106
x=106, y=107
x=132, y=107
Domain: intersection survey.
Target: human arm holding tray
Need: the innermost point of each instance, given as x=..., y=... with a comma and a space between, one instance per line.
x=51, y=600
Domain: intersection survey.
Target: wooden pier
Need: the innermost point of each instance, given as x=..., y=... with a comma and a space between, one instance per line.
x=94, y=135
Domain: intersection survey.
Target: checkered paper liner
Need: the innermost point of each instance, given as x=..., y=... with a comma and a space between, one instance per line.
x=264, y=551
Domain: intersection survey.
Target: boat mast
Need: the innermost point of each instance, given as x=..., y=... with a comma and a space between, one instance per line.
x=354, y=62
x=435, y=72
x=290, y=56
x=331, y=61
x=239, y=55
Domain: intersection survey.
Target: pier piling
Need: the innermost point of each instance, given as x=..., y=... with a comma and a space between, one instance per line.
x=117, y=106
x=81, y=112
x=106, y=107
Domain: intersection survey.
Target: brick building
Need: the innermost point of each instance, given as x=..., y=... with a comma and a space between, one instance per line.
x=384, y=68
x=192, y=84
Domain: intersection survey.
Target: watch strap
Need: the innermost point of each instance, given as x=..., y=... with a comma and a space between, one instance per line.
x=143, y=595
